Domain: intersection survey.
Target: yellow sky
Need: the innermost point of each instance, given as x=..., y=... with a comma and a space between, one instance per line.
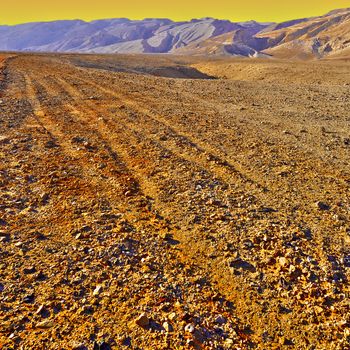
x=19, y=11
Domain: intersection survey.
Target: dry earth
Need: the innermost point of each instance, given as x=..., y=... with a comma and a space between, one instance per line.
x=219, y=208
x=323, y=72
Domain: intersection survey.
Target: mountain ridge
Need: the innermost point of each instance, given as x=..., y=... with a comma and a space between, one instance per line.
x=306, y=38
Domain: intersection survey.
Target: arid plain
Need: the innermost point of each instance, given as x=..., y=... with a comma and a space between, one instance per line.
x=163, y=202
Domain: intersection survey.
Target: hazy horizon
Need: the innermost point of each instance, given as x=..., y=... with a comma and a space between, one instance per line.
x=270, y=11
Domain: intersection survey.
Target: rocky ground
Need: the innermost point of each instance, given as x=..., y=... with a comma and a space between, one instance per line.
x=145, y=212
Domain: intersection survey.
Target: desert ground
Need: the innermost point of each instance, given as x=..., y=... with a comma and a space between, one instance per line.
x=162, y=202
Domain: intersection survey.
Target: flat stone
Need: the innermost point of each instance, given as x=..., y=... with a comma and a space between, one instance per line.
x=45, y=324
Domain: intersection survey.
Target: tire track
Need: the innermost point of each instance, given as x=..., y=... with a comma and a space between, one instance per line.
x=92, y=174
x=121, y=176
x=132, y=137
x=149, y=117
x=189, y=139
x=111, y=124
x=180, y=145
x=125, y=144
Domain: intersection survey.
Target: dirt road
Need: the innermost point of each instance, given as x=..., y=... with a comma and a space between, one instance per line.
x=219, y=208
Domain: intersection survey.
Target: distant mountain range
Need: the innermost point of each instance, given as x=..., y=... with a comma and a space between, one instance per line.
x=307, y=38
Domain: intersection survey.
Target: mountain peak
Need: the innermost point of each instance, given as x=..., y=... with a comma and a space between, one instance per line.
x=338, y=11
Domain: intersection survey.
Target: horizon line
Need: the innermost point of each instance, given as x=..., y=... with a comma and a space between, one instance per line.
x=90, y=20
